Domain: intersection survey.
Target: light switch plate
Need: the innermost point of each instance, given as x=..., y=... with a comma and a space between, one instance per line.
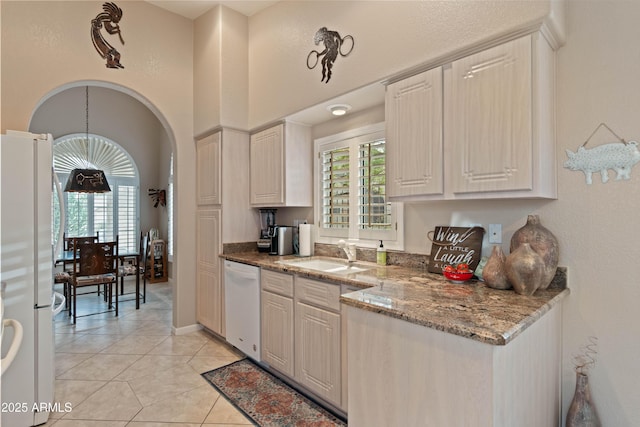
x=495, y=233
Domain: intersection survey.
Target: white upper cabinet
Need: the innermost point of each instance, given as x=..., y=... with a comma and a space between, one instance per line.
x=414, y=123
x=208, y=170
x=499, y=127
x=281, y=166
x=491, y=119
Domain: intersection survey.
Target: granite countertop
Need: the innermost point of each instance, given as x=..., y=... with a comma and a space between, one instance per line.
x=470, y=310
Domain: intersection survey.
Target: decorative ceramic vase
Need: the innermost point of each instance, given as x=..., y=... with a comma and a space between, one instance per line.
x=493, y=272
x=582, y=411
x=524, y=269
x=543, y=242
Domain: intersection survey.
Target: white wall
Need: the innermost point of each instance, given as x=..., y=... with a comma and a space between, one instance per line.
x=597, y=224
x=220, y=70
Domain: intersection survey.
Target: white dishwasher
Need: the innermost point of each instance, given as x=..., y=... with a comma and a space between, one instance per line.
x=242, y=307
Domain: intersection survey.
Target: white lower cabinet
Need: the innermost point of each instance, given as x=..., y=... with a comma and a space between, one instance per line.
x=277, y=321
x=317, y=342
x=209, y=288
x=318, y=338
x=404, y=374
x=302, y=333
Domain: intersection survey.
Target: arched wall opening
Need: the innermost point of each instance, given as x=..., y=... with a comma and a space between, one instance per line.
x=123, y=115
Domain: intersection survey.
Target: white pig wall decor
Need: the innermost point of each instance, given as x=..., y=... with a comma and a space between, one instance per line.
x=619, y=156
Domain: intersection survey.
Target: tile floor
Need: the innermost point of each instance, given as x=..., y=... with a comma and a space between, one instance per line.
x=131, y=371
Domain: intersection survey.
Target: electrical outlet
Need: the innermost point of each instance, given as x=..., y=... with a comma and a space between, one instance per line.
x=495, y=233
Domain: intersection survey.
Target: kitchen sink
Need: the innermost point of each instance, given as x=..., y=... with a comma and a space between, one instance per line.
x=327, y=266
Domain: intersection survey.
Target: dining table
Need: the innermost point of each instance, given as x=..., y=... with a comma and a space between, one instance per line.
x=133, y=257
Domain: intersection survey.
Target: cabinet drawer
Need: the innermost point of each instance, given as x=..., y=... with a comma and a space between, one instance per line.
x=317, y=293
x=279, y=283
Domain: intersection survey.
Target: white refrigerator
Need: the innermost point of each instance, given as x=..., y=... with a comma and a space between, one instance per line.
x=26, y=258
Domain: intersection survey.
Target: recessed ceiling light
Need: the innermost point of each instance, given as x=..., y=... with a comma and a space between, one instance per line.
x=339, y=109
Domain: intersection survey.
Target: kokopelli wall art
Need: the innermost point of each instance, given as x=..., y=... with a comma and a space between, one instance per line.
x=109, y=20
x=334, y=45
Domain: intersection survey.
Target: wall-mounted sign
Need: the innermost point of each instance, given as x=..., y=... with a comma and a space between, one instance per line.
x=334, y=45
x=453, y=246
x=109, y=19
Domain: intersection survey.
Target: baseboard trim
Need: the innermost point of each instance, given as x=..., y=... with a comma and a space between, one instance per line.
x=186, y=329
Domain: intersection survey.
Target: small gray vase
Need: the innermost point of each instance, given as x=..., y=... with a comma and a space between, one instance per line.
x=582, y=411
x=543, y=242
x=525, y=269
x=493, y=273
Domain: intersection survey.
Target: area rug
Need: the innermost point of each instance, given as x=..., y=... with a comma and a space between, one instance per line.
x=267, y=400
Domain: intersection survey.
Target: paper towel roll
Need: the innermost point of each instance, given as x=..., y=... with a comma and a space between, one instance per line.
x=304, y=239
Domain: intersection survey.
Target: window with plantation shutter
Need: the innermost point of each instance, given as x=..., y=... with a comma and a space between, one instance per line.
x=127, y=210
x=335, y=188
x=373, y=209
x=78, y=213
x=103, y=214
x=111, y=214
x=351, y=188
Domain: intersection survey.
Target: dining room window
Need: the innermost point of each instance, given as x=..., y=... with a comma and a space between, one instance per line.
x=112, y=214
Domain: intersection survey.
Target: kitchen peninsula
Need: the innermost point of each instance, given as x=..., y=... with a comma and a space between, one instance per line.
x=423, y=351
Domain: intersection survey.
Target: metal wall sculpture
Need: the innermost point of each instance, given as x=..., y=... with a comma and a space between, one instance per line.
x=158, y=196
x=620, y=156
x=109, y=19
x=333, y=45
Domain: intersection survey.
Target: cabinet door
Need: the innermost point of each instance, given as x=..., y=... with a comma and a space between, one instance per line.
x=267, y=168
x=414, y=120
x=209, y=297
x=208, y=169
x=317, y=354
x=491, y=126
x=277, y=332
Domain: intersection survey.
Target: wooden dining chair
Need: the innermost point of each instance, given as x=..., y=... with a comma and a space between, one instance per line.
x=68, y=246
x=95, y=265
x=128, y=269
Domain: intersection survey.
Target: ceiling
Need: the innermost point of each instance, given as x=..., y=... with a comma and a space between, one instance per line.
x=193, y=9
x=359, y=99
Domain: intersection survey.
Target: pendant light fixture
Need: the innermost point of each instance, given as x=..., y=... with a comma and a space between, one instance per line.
x=87, y=180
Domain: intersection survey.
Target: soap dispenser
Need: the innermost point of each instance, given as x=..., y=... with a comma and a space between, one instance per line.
x=381, y=255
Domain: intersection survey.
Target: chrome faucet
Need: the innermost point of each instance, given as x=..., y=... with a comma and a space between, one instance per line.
x=349, y=249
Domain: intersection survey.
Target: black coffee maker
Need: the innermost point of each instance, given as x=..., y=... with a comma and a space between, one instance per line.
x=267, y=229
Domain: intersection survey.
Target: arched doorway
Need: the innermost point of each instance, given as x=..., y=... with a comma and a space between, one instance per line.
x=123, y=116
